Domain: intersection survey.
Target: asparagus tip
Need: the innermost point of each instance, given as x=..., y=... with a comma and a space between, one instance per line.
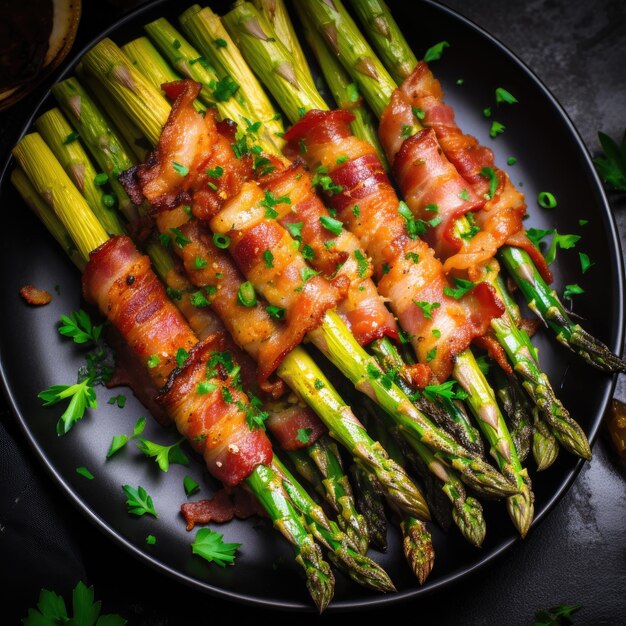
x=418, y=547
x=521, y=507
x=469, y=518
x=363, y=570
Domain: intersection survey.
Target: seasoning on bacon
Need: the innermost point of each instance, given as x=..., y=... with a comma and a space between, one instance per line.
x=211, y=412
x=207, y=406
x=500, y=218
x=409, y=276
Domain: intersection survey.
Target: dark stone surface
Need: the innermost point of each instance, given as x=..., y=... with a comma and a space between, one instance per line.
x=576, y=556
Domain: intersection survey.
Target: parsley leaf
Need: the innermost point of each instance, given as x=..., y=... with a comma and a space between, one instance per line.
x=536, y=235
x=270, y=201
x=163, y=455
x=83, y=397
x=119, y=400
x=434, y=52
x=462, y=286
x=427, y=308
x=210, y=545
x=496, y=129
x=190, y=485
x=572, y=290
x=224, y=88
x=612, y=166
x=502, y=95
x=84, y=472
x=564, y=242
x=585, y=263
x=79, y=327
x=490, y=174
x=138, y=501
x=556, y=616
x=445, y=390
x=119, y=441
x=51, y=610
x=304, y=435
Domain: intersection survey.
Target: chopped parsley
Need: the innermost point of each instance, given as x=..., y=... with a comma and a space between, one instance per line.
x=307, y=252
x=220, y=43
x=204, y=387
x=224, y=88
x=496, y=129
x=84, y=472
x=179, y=239
x=434, y=52
x=295, y=229
x=199, y=263
x=119, y=441
x=356, y=211
x=119, y=400
x=490, y=174
x=210, y=545
x=331, y=224
x=181, y=356
x=270, y=201
x=427, y=308
x=183, y=170
x=215, y=172
x=420, y=114
x=446, y=390
x=304, y=435
x=138, y=501
x=79, y=327
x=565, y=242
x=412, y=256
x=462, y=286
x=199, y=300
x=511, y=161
x=73, y=136
x=362, y=264
x=275, y=312
x=487, y=112
x=464, y=195
x=573, y=290
x=431, y=354
x=163, y=455
x=100, y=179
x=325, y=182
x=268, y=257
x=585, y=263
x=502, y=95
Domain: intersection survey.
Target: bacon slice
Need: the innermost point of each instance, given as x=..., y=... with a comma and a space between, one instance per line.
x=34, y=296
x=224, y=506
x=294, y=426
x=215, y=422
x=407, y=271
x=285, y=280
x=501, y=217
x=120, y=281
x=431, y=186
x=362, y=309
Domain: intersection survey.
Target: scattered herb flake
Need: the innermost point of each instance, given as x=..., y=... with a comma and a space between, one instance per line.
x=246, y=296
x=585, y=263
x=487, y=112
x=583, y=222
x=431, y=354
x=220, y=43
x=496, y=129
x=434, y=52
x=138, y=501
x=190, y=486
x=183, y=170
x=79, y=327
x=511, y=160
x=151, y=540
x=163, y=455
x=268, y=257
x=119, y=400
x=304, y=435
x=490, y=174
x=572, y=290
x=225, y=88
x=427, y=308
x=181, y=356
x=546, y=200
x=462, y=286
x=83, y=471
x=83, y=397
x=199, y=300
x=73, y=136
x=153, y=360
x=556, y=616
x=464, y=195
x=205, y=387
x=318, y=384
x=215, y=172
x=331, y=224
x=101, y=179
x=502, y=95
x=445, y=390
x=210, y=545
x=564, y=242
x=356, y=211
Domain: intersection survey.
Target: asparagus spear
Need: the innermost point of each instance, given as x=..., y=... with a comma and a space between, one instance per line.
x=544, y=301
x=58, y=134
x=467, y=512
x=77, y=105
x=205, y=28
x=341, y=551
x=416, y=540
x=106, y=63
x=369, y=501
x=50, y=181
x=262, y=52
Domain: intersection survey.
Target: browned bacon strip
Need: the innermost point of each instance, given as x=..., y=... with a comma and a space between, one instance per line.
x=214, y=421
x=294, y=426
x=431, y=186
x=205, y=405
x=502, y=215
x=409, y=275
x=363, y=310
x=120, y=281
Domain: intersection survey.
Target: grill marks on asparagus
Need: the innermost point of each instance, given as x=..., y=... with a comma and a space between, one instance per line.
x=408, y=273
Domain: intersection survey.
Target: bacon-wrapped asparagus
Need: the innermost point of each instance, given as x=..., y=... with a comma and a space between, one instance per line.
x=500, y=220
x=391, y=241
x=119, y=280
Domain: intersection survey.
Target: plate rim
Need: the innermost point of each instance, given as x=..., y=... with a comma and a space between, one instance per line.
x=338, y=606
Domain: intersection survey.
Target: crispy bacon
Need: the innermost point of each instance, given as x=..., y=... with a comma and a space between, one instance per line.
x=34, y=296
x=120, y=281
x=283, y=281
x=431, y=186
x=407, y=271
x=501, y=217
x=294, y=426
x=224, y=506
x=215, y=421
x=362, y=309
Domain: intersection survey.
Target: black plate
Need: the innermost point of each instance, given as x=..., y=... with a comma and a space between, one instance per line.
x=551, y=157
